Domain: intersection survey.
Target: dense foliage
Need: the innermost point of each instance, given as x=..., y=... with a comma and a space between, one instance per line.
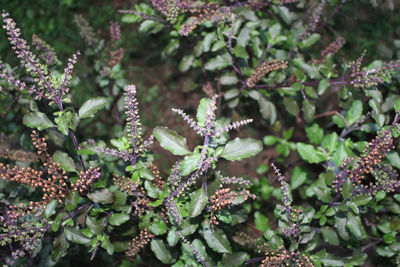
x=200, y=133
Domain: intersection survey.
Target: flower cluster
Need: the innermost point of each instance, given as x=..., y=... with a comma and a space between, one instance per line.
x=127, y=185
x=115, y=32
x=86, y=31
x=293, y=215
x=141, y=203
x=45, y=86
x=233, y=180
x=332, y=48
x=386, y=180
x=283, y=257
x=22, y=237
x=209, y=11
x=115, y=54
x=47, y=52
x=370, y=77
x=53, y=186
x=28, y=59
x=264, y=69
x=250, y=239
x=158, y=180
x=207, y=129
x=161, y=5
x=86, y=179
x=134, y=128
x=173, y=10
x=369, y=162
x=313, y=20
x=224, y=198
x=195, y=252
x=53, y=183
x=139, y=242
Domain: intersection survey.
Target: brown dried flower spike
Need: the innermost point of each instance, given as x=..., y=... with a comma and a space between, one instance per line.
x=52, y=182
x=139, y=242
x=264, y=69
x=224, y=198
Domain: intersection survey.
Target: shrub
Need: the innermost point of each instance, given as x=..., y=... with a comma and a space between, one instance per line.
x=99, y=187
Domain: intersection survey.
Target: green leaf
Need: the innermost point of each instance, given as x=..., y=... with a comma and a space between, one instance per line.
x=362, y=199
x=261, y=222
x=291, y=106
x=234, y=259
x=65, y=121
x=308, y=110
x=172, y=237
x=274, y=31
x=171, y=141
x=50, y=208
x=198, y=201
x=186, y=63
x=340, y=153
x=323, y=86
x=309, y=153
x=158, y=228
x=240, y=52
x=312, y=39
x=217, y=240
x=330, y=236
x=354, y=224
x=355, y=112
x=219, y=62
x=241, y=148
x=187, y=227
x=103, y=196
x=161, y=251
x=315, y=134
x=130, y=18
x=339, y=121
x=190, y=163
x=340, y=226
x=66, y=162
x=330, y=260
x=202, y=110
x=37, y=120
x=232, y=93
x=118, y=218
x=107, y=245
x=330, y=141
x=218, y=45
x=151, y=189
x=347, y=188
x=208, y=40
x=385, y=251
x=60, y=248
x=91, y=106
x=270, y=140
x=267, y=109
x=94, y=226
x=228, y=79
x=298, y=178
x=394, y=159
x=171, y=48
x=74, y=235
x=243, y=37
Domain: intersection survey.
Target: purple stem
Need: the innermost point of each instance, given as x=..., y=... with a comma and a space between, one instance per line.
x=78, y=210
